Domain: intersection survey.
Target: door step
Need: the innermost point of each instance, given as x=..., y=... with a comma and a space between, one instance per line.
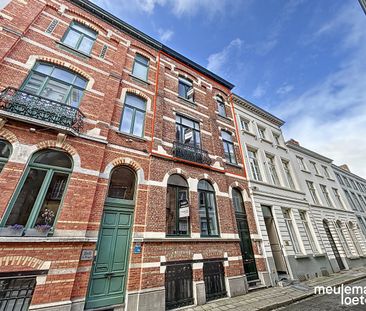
x=256, y=287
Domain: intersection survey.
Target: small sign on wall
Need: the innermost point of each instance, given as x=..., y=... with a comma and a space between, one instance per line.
x=137, y=248
x=87, y=254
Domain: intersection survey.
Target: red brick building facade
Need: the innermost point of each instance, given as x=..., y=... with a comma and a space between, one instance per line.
x=115, y=184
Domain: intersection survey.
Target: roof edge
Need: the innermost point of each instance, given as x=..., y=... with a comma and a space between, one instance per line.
x=258, y=110
x=139, y=35
x=309, y=152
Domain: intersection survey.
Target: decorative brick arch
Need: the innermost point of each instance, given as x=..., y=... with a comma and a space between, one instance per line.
x=23, y=262
x=141, y=94
x=124, y=161
x=8, y=135
x=208, y=178
x=177, y=171
x=144, y=52
x=83, y=19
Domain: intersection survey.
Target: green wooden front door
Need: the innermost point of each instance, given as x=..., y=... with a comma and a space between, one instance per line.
x=108, y=279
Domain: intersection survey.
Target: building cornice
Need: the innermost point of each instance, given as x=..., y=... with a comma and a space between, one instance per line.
x=308, y=152
x=139, y=35
x=257, y=110
x=339, y=169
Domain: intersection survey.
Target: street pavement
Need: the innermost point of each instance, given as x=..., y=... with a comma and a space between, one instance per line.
x=298, y=297
x=327, y=302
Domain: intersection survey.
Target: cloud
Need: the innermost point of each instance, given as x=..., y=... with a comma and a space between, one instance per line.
x=330, y=117
x=165, y=34
x=284, y=89
x=259, y=91
x=178, y=7
x=217, y=60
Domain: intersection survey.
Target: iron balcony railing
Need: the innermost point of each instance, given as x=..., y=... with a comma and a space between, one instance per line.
x=191, y=153
x=40, y=108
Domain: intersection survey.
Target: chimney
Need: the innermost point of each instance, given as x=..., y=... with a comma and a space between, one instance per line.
x=345, y=167
x=293, y=142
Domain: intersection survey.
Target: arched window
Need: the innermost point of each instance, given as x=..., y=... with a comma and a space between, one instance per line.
x=79, y=37
x=177, y=206
x=238, y=201
x=207, y=209
x=5, y=150
x=133, y=115
x=221, y=106
x=122, y=184
x=55, y=83
x=37, y=199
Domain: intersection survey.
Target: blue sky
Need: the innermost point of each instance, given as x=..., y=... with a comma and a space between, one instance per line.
x=302, y=60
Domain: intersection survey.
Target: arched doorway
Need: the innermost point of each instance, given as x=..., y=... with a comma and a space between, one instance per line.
x=109, y=272
x=333, y=245
x=246, y=247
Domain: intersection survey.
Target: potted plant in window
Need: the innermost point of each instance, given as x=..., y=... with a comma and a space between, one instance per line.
x=12, y=230
x=44, y=226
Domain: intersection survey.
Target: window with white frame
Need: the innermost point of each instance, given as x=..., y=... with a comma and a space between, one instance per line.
x=353, y=184
x=326, y=195
x=272, y=170
x=342, y=238
x=290, y=180
x=262, y=132
x=326, y=172
x=133, y=115
x=221, y=106
x=291, y=231
x=80, y=37
x=338, y=197
x=362, y=225
x=316, y=171
x=339, y=177
x=346, y=181
x=301, y=163
x=352, y=233
x=309, y=233
x=185, y=89
x=362, y=201
x=140, y=67
x=276, y=138
x=350, y=200
x=254, y=166
x=245, y=124
x=355, y=199
x=312, y=191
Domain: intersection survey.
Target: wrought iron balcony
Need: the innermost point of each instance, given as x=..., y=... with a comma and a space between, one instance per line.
x=33, y=107
x=191, y=153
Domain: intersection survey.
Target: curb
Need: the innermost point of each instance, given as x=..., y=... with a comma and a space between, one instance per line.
x=305, y=296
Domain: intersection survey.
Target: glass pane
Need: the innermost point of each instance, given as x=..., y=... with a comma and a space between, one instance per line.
x=198, y=139
x=177, y=180
x=188, y=122
x=232, y=153
x=205, y=185
x=122, y=184
x=86, y=45
x=226, y=136
x=140, y=71
x=44, y=68
x=52, y=200
x=75, y=97
x=135, y=101
x=26, y=198
x=238, y=201
x=63, y=75
x=183, y=89
x=183, y=222
x=80, y=82
x=126, y=120
x=84, y=29
x=202, y=213
x=212, y=213
x=139, y=123
x=4, y=149
x=34, y=83
x=141, y=59
x=171, y=210
x=55, y=91
x=72, y=38
x=53, y=158
x=188, y=136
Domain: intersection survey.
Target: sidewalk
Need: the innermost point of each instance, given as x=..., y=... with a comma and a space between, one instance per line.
x=275, y=297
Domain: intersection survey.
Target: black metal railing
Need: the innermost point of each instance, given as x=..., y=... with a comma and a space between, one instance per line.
x=41, y=108
x=191, y=153
x=178, y=286
x=214, y=277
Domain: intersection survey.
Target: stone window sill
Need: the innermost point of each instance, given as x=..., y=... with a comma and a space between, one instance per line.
x=266, y=141
x=248, y=133
x=305, y=171
x=319, y=255
x=133, y=137
x=139, y=79
x=187, y=101
x=302, y=256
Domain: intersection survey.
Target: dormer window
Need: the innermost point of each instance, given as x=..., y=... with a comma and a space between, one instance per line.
x=185, y=89
x=221, y=106
x=80, y=37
